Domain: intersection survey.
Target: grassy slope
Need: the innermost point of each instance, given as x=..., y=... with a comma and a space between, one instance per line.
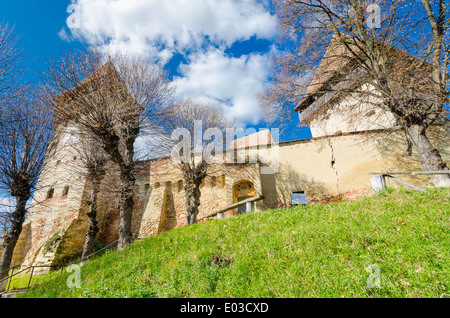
x=313, y=251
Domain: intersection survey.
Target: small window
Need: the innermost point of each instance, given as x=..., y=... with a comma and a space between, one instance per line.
x=299, y=198
x=156, y=185
x=146, y=188
x=50, y=193
x=180, y=185
x=65, y=191
x=371, y=113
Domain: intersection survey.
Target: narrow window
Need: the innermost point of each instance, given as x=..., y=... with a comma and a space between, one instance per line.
x=180, y=185
x=65, y=191
x=50, y=193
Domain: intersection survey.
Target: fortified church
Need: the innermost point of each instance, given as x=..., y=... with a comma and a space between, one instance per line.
x=335, y=164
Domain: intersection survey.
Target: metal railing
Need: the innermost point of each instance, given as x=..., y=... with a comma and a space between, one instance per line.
x=7, y=270
x=96, y=252
x=32, y=267
x=249, y=203
x=379, y=180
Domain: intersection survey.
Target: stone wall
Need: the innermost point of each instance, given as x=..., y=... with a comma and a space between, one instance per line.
x=166, y=204
x=57, y=203
x=325, y=168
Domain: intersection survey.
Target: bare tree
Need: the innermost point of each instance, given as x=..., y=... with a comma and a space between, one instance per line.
x=438, y=16
x=114, y=100
x=94, y=163
x=194, y=138
x=11, y=67
x=6, y=211
x=25, y=135
x=381, y=52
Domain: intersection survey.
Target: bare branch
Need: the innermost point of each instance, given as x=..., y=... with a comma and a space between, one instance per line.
x=114, y=99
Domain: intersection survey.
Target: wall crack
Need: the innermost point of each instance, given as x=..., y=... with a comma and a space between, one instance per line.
x=332, y=164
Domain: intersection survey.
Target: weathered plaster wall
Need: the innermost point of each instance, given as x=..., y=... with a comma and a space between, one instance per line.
x=167, y=198
x=353, y=113
x=50, y=217
x=340, y=165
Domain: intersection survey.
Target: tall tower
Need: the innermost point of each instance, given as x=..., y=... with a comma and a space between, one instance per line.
x=336, y=103
x=55, y=209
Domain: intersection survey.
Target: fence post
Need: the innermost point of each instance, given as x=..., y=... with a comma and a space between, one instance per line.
x=378, y=183
x=10, y=278
x=31, y=276
x=249, y=207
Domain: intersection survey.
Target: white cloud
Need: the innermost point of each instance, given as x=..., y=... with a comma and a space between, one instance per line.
x=64, y=35
x=199, y=29
x=227, y=81
x=154, y=26
x=7, y=204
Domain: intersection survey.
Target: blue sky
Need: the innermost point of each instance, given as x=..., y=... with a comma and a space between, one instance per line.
x=218, y=51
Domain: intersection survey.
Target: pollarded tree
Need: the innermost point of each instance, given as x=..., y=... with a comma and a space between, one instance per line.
x=114, y=100
x=94, y=165
x=382, y=52
x=25, y=136
x=194, y=136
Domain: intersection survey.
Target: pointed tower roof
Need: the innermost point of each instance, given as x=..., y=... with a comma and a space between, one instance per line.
x=337, y=60
x=343, y=57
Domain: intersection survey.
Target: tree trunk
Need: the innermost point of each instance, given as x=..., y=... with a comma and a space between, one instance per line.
x=127, y=196
x=126, y=202
x=193, y=176
x=192, y=200
x=11, y=237
x=126, y=209
x=447, y=128
x=92, y=219
x=429, y=156
x=125, y=164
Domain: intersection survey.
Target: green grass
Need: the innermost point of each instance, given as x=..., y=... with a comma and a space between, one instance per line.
x=21, y=280
x=312, y=251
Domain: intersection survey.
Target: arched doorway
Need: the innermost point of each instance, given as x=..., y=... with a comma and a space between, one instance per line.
x=242, y=190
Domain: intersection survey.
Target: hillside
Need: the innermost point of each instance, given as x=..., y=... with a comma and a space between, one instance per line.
x=310, y=251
